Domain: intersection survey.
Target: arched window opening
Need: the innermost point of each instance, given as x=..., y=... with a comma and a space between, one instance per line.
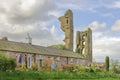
x=83, y=51
x=67, y=20
x=19, y=58
x=41, y=60
x=84, y=43
x=84, y=37
x=29, y=61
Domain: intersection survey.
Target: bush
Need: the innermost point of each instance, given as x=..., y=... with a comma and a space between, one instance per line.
x=77, y=68
x=34, y=66
x=115, y=66
x=99, y=70
x=82, y=69
x=23, y=67
x=107, y=63
x=69, y=68
x=6, y=63
x=11, y=64
x=47, y=64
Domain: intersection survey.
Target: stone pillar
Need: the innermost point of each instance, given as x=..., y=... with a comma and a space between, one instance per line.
x=67, y=27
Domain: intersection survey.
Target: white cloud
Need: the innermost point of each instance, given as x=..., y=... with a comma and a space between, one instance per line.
x=97, y=34
x=27, y=11
x=95, y=25
x=106, y=46
x=116, y=26
x=86, y=5
x=115, y=4
x=28, y=4
x=15, y=29
x=67, y=4
x=19, y=17
x=53, y=30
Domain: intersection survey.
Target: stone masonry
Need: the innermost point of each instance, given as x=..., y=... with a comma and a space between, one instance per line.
x=84, y=43
x=29, y=53
x=67, y=27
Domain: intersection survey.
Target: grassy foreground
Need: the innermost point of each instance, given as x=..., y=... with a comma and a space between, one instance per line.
x=53, y=75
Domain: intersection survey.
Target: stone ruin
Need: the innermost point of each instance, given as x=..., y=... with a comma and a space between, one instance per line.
x=83, y=38
x=84, y=43
x=67, y=27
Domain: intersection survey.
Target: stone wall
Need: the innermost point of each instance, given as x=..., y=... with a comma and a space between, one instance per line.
x=41, y=60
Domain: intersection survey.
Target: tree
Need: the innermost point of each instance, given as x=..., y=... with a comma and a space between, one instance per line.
x=5, y=38
x=107, y=63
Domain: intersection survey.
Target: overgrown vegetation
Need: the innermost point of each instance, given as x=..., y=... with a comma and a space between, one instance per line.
x=34, y=66
x=115, y=66
x=6, y=63
x=43, y=75
x=59, y=46
x=71, y=72
x=5, y=38
x=76, y=68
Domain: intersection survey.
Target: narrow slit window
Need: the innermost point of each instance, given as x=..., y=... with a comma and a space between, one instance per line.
x=83, y=51
x=67, y=21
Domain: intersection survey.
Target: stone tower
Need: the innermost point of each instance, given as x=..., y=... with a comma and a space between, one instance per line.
x=67, y=27
x=84, y=43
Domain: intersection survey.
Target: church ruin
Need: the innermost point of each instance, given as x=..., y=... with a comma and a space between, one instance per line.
x=67, y=27
x=84, y=43
x=83, y=38
x=28, y=53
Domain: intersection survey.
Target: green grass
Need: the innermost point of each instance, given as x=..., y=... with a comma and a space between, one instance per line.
x=53, y=75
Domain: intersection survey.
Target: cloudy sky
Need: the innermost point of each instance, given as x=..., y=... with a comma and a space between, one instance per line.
x=39, y=18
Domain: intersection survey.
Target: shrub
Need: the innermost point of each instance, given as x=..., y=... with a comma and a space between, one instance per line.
x=77, y=68
x=6, y=63
x=107, y=63
x=69, y=68
x=47, y=64
x=34, y=66
x=94, y=68
x=82, y=69
x=74, y=68
x=23, y=67
x=11, y=64
x=115, y=66
x=99, y=70
x=5, y=38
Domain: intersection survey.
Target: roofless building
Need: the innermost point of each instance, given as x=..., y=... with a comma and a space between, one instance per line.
x=29, y=53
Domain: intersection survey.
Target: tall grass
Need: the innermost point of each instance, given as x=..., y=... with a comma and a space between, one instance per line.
x=42, y=75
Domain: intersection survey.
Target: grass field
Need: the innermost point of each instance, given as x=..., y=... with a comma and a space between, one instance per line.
x=53, y=75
